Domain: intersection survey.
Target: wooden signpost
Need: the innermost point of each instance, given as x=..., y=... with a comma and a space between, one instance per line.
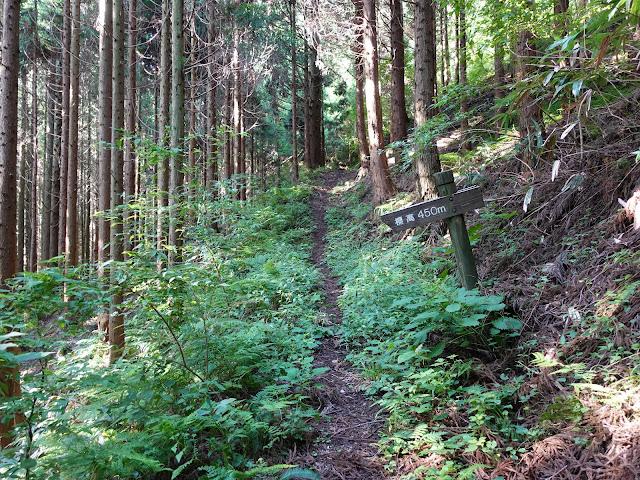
x=450, y=206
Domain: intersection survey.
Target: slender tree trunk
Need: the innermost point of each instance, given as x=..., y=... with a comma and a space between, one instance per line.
x=55, y=169
x=308, y=161
x=163, y=124
x=498, y=80
x=447, y=50
x=457, y=33
x=45, y=227
x=428, y=160
x=176, y=179
x=361, y=121
x=560, y=9
x=64, y=141
x=105, y=95
x=116, y=320
x=33, y=245
x=383, y=188
x=398, y=104
x=294, y=95
x=9, y=376
x=22, y=170
x=441, y=14
x=71, y=240
x=237, y=87
x=464, y=102
x=191, y=170
x=228, y=163
x=315, y=111
x=212, y=112
x=130, y=122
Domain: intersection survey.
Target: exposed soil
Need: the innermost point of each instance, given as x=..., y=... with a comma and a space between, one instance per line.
x=348, y=429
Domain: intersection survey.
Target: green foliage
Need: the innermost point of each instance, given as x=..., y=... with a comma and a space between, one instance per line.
x=417, y=338
x=218, y=363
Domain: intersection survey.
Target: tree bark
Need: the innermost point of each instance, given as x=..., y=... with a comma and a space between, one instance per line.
x=399, y=117
x=383, y=188
x=64, y=140
x=176, y=179
x=130, y=122
x=464, y=102
x=294, y=95
x=33, y=244
x=104, y=134
x=116, y=320
x=427, y=160
x=315, y=111
x=498, y=80
x=163, y=123
x=9, y=68
x=361, y=121
x=211, y=177
x=71, y=240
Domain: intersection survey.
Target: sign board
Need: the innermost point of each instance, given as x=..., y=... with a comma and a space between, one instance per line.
x=434, y=210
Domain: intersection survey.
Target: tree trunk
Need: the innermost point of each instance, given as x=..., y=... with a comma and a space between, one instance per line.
x=71, y=240
x=64, y=140
x=163, y=124
x=33, y=244
x=294, y=95
x=361, y=121
x=22, y=170
x=315, y=111
x=383, y=188
x=211, y=165
x=308, y=161
x=55, y=168
x=176, y=179
x=116, y=320
x=398, y=104
x=104, y=133
x=464, y=102
x=9, y=375
x=228, y=164
x=46, y=226
x=130, y=122
x=498, y=80
x=428, y=160
x=447, y=50
x=560, y=8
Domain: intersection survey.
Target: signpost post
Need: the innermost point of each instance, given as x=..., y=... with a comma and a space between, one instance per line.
x=450, y=206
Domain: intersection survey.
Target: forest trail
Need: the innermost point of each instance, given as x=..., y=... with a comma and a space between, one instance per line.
x=348, y=429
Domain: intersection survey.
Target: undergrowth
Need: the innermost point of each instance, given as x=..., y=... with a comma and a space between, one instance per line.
x=218, y=364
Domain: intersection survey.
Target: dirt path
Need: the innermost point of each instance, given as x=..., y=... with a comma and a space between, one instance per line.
x=348, y=430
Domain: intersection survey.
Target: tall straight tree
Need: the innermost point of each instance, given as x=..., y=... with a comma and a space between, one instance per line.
x=105, y=90
x=163, y=122
x=71, y=235
x=130, y=121
x=398, y=103
x=383, y=187
x=211, y=165
x=116, y=320
x=33, y=247
x=177, y=129
x=294, y=93
x=462, y=55
x=427, y=160
x=361, y=120
x=9, y=68
x=64, y=140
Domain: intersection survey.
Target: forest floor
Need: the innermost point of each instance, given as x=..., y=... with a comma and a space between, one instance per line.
x=348, y=430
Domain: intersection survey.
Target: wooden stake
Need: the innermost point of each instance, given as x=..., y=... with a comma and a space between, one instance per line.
x=459, y=234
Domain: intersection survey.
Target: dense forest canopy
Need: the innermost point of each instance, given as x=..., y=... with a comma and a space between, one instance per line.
x=159, y=297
